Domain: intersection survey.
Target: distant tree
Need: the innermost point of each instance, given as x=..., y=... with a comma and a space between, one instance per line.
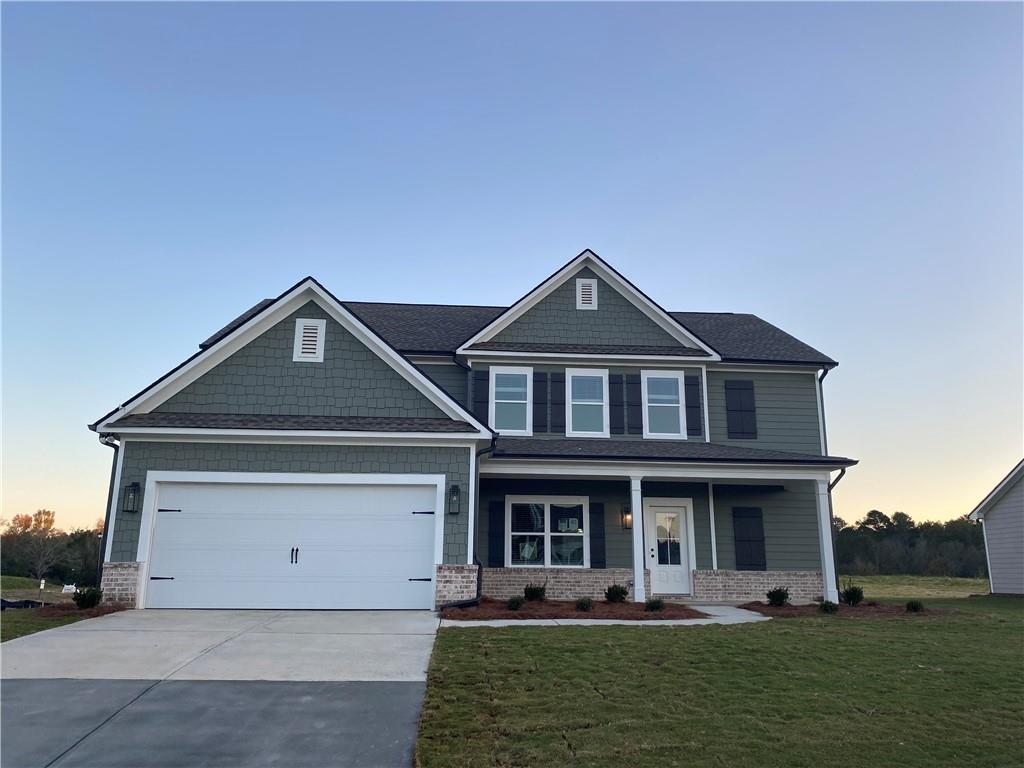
x=44, y=550
x=876, y=521
x=837, y=524
x=19, y=524
x=902, y=522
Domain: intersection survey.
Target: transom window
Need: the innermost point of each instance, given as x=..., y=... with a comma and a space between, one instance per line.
x=547, y=532
x=664, y=404
x=586, y=402
x=511, y=401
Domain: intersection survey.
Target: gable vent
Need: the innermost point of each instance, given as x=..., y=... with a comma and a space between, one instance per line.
x=309, y=341
x=586, y=293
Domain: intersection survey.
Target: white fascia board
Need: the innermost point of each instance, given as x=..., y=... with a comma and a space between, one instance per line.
x=979, y=511
x=588, y=258
x=541, y=358
x=289, y=435
x=307, y=290
x=652, y=470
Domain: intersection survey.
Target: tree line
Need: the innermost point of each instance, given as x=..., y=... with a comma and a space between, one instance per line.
x=32, y=545
x=898, y=545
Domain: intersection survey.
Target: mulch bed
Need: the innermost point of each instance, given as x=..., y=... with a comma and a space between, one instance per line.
x=70, y=609
x=869, y=610
x=489, y=608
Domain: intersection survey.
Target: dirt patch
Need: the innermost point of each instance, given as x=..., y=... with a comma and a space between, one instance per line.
x=489, y=608
x=70, y=609
x=869, y=610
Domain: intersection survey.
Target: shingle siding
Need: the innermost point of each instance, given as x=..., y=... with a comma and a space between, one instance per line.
x=786, y=405
x=452, y=378
x=140, y=457
x=1004, y=537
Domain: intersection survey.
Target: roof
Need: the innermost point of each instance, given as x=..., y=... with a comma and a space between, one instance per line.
x=654, y=450
x=996, y=493
x=266, y=421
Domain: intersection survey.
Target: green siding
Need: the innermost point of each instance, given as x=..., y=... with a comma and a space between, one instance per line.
x=140, y=457
x=787, y=410
x=454, y=379
x=262, y=378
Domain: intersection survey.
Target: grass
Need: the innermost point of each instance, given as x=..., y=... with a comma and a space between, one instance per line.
x=928, y=690
x=25, y=588
x=17, y=622
x=885, y=587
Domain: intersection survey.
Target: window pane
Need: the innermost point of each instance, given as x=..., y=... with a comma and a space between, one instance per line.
x=663, y=420
x=510, y=386
x=587, y=389
x=527, y=550
x=663, y=390
x=528, y=518
x=566, y=518
x=509, y=416
x=588, y=418
x=567, y=550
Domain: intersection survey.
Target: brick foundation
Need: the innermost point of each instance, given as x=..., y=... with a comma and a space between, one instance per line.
x=562, y=583
x=803, y=586
x=454, y=583
x=120, y=582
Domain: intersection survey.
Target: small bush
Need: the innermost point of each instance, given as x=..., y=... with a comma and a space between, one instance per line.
x=616, y=593
x=89, y=597
x=516, y=602
x=827, y=606
x=535, y=591
x=584, y=604
x=778, y=596
x=915, y=606
x=852, y=595
x=654, y=604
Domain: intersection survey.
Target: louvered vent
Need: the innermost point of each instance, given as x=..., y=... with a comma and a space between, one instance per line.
x=586, y=293
x=309, y=341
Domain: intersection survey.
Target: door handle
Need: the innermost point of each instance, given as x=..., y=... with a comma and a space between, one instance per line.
x=291, y=556
x=296, y=555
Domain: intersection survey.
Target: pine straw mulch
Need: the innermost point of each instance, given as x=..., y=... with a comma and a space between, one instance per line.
x=867, y=610
x=70, y=609
x=489, y=608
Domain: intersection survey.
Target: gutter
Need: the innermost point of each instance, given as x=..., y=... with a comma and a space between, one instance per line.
x=111, y=442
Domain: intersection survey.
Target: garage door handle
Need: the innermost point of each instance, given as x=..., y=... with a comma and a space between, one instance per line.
x=161, y=578
x=296, y=554
x=291, y=556
x=420, y=579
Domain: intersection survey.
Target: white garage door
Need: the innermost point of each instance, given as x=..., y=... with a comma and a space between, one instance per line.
x=220, y=545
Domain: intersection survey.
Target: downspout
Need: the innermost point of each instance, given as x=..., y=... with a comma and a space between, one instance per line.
x=831, y=524
x=110, y=441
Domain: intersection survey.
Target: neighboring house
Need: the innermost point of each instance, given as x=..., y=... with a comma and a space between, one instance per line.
x=318, y=453
x=1002, y=520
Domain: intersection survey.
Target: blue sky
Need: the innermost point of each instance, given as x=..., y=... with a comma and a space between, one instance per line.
x=849, y=172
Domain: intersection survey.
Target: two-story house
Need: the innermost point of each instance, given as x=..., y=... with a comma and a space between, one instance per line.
x=320, y=453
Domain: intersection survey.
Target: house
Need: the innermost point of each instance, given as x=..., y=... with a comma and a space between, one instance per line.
x=1002, y=521
x=319, y=453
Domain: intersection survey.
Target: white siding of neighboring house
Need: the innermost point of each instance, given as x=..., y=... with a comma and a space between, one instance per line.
x=1004, y=537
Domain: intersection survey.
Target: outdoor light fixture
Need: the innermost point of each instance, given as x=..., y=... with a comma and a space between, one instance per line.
x=627, y=519
x=130, y=498
x=453, y=500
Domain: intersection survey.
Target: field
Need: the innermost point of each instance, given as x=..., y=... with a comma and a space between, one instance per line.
x=906, y=587
x=16, y=622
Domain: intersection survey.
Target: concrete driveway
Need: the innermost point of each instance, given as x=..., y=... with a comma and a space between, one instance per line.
x=177, y=689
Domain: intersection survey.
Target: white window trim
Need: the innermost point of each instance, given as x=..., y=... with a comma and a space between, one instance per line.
x=569, y=373
x=546, y=535
x=321, y=332
x=580, y=282
x=681, y=377
x=494, y=371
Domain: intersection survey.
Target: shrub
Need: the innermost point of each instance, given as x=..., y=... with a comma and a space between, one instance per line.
x=915, y=606
x=616, y=593
x=516, y=602
x=654, y=604
x=852, y=595
x=827, y=606
x=584, y=604
x=535, y=591
x=89, y=597
x=778, y=596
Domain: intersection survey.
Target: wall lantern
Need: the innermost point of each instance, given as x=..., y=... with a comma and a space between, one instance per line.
x=130, y=498
x=453, y=499
x=627, y=519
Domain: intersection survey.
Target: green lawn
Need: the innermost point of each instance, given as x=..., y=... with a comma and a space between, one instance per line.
x=930, y=690
x=885, y=587
x=15, y=622
x=24, y=588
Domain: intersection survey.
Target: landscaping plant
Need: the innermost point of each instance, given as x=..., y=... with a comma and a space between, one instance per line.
x=827, y=606
x=654, y=604
x=915, y=606
x=88, y=597
x=516, y=602
x=778, y=596
x=616, y=593
x=852, y=595
x=535, y=591
x=584, y=604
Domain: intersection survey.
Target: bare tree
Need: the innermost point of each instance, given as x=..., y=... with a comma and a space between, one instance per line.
x=44, y=551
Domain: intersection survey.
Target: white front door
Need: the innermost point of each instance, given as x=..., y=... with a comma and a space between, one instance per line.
x=668, y=535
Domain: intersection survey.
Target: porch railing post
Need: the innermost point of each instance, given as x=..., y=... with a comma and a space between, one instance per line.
x=828, y=566
x=636, y=500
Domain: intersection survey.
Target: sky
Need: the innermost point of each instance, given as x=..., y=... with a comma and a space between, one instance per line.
x=849, y=172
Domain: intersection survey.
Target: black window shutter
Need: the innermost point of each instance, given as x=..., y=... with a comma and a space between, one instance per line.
x=481, y=395
x=634, y=405
x=694, y=411
x=496, y=534
x=558, y=402
x=540, y=402
x=597, y=556
x=740, y=410
x=616, y=405
x=748, y=535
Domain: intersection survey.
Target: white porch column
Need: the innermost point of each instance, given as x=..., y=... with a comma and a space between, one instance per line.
x=637, y=504
x=828, y=566
x=714, y=537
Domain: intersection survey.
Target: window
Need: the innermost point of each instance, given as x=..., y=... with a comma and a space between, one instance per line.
x=511, y=411
x=586, y=403
x=586, y=293
x=748, y=536
x=547, y=532
x=740, y=410
x=309, y=341
x=664, y=404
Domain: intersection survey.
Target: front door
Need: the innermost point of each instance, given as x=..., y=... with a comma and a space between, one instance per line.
x=668, y=529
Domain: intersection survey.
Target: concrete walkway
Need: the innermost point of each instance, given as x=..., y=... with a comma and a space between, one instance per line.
x=717, y=614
